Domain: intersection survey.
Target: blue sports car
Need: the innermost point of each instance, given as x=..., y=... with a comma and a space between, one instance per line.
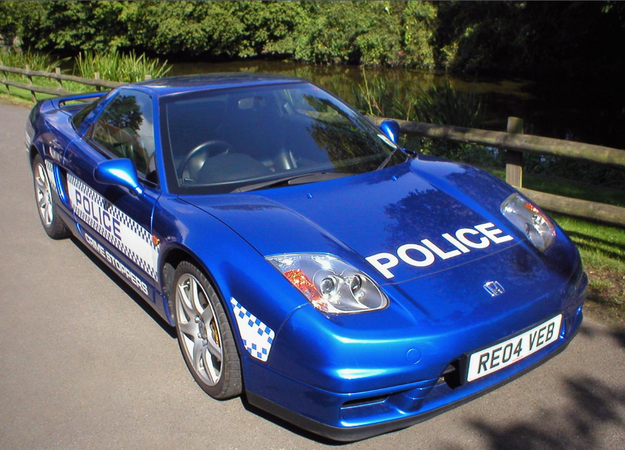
x=338, y=281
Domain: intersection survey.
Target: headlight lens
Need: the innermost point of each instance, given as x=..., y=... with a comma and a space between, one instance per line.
x=330, y=284
x=538, y=228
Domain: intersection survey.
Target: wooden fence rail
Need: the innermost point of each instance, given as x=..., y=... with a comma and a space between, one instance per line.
x=514, y=142
x=517, y=142
x=56, y=75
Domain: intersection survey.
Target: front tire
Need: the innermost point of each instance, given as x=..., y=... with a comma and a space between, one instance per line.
x=44, y=195
x=204, y=334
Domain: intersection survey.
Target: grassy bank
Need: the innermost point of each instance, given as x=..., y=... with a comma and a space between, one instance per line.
x=603, y=252
x=111, y=66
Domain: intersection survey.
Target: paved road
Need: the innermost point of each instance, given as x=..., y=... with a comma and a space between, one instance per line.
x=83, y=365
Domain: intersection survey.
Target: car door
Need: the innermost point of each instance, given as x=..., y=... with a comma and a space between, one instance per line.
x=113, y=221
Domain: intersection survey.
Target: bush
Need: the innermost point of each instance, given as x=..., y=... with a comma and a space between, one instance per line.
x=115, y=66
x=34, y=60
x=442, y=104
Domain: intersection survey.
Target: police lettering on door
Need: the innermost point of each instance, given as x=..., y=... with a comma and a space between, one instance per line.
x=114, y=225
x=98, y=214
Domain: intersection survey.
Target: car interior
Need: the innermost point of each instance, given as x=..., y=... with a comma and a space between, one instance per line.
x=238, y=136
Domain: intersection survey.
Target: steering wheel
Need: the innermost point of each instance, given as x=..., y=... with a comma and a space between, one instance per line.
x=196, y=158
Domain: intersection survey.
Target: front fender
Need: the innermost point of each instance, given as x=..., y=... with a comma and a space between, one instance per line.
x=237, y=270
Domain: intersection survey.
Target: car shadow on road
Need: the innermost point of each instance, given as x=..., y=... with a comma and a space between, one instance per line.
x=115, y=278
x=619, y=335
x=593, y=410
x=290, y=427
x=592, y=406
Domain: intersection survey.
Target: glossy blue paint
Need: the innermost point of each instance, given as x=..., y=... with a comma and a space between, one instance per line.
x=343, y=376
x=119, y=172
x=391, y=129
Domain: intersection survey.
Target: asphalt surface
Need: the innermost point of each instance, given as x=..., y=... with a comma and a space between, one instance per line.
x=84, y=365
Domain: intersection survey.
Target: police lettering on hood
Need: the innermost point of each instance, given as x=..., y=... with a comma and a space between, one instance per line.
x=426, y=252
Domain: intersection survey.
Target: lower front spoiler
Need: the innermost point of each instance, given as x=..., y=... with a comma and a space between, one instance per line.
x=438, y=402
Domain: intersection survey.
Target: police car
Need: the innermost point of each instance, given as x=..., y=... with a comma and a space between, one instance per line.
x=306, y=261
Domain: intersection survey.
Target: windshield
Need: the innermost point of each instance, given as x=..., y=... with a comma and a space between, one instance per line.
x=220, y=141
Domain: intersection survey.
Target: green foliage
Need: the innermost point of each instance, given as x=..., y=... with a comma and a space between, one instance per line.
x=34, y=60
x=372, y=33
x=557, y=37
x=597, y=174
x=269, y=27
x=455, y=36
x=445, y=105
x=188, y=27
x=382, y=97
x=441, y=104
x=69, y=26
x=114, y=66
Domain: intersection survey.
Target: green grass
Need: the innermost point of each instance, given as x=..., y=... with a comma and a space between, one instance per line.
x=112, y=66
x=34, y=60
x=603, y=251
x=568, y=188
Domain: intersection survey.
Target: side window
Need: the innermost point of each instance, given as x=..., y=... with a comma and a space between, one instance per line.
x=126, y=129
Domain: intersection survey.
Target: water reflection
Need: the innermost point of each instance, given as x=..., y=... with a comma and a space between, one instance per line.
x=585, y=112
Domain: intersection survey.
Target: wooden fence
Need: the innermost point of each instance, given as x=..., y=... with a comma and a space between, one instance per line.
x=514, y=142
x=56, y=75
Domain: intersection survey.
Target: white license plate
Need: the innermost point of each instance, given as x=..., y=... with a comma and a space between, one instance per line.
x=498, y=356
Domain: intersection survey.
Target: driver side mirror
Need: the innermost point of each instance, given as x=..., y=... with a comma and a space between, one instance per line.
x=391, y=129
x=119, y=172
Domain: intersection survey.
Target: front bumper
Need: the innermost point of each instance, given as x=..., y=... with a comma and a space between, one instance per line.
x=352, y=404
x=359, y=415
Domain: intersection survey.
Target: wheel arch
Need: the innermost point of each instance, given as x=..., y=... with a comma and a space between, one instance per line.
x=170, y=261
x=33, y=151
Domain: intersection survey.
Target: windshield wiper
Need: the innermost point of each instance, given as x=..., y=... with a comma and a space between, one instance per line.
x=388, y=158
x=409, y=154
x=292, y=180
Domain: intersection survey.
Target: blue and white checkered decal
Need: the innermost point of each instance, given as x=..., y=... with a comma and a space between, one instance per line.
x=118, y=228
x=257, y=337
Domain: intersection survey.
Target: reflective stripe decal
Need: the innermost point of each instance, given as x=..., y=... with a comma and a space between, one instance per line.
x=121, y=268
x=116, y=227
x=50, y=170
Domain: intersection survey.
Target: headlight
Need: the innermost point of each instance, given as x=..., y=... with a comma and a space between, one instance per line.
x=329, y=284
x=538, y=228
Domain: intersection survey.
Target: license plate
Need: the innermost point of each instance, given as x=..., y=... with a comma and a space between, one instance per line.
x=498, y=356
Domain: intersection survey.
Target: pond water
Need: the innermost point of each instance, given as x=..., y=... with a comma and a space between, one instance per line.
x=586, y=112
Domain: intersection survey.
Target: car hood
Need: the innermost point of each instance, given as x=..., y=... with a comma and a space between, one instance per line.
x=416, y=213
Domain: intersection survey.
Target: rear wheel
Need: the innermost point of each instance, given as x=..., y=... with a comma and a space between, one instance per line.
x=204, y=334
x=44, y=195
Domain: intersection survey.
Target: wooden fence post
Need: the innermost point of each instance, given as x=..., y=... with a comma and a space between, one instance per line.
x=30, y=83
x=4, y=78
x=96, y=75
x=57, y=70
x=148, y=77
x=514, y=160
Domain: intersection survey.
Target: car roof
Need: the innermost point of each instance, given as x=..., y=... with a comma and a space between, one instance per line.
x=204, y=82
